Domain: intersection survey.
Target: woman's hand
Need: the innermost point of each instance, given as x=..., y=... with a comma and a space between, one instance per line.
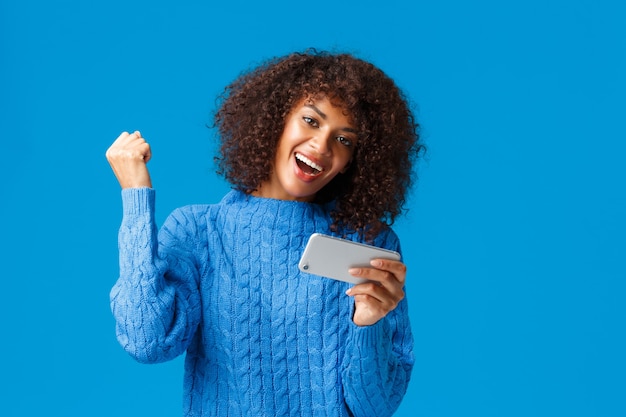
x=374, y=300
x=128, y=156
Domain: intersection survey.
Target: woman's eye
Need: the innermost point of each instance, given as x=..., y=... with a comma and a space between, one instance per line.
x=344, y=141
x=311, y=121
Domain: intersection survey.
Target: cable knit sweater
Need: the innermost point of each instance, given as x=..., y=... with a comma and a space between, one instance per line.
x=221, y=283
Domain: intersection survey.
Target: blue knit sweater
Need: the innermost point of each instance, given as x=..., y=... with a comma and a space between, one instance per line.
x=221, y=283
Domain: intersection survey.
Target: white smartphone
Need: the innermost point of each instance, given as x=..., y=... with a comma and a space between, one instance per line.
x=332, y=257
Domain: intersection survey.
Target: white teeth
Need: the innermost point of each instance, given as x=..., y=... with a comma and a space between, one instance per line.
x=308, y=162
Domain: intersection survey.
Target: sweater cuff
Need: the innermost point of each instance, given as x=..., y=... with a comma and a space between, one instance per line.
x=138, y=200
x=370, y=336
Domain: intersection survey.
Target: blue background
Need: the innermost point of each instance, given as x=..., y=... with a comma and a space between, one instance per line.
x=516, y=234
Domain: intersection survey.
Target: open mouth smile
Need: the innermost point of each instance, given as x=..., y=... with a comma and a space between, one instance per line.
x=307, y=166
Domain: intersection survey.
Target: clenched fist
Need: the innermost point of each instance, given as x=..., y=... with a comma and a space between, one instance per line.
x=128, y=156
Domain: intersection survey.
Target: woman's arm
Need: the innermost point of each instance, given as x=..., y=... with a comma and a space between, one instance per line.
x=379, y=353
x=155, y=302
x=377, y=365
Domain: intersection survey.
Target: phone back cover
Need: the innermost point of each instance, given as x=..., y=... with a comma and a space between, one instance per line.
x=331, y=257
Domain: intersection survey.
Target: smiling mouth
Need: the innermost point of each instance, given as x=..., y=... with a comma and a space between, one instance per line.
x=307, y=166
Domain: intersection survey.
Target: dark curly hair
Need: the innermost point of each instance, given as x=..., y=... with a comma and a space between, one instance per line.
x=251, y=117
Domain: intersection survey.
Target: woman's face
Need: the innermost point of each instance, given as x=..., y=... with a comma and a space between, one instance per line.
x=317, y=144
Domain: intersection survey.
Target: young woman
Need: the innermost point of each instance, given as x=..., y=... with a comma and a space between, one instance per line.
x=311, y=142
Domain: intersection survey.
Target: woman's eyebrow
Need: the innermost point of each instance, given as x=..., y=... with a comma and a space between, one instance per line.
x=316, y=110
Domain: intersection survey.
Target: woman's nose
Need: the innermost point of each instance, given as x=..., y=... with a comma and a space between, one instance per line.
x=321, y=143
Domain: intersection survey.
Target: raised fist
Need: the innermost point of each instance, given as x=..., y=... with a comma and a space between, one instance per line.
x=128, y=156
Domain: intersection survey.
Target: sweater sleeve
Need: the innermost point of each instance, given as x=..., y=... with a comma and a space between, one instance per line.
x=378, y=363
x=156, y=301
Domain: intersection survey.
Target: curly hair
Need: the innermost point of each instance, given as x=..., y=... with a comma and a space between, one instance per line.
x=251, y=117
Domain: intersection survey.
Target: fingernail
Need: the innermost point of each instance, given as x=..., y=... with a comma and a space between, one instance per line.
x=354, y=271
x=376, y=263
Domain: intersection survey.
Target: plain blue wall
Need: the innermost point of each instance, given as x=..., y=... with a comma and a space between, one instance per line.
x=516, y=234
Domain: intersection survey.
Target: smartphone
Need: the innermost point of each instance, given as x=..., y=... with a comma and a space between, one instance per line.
x=332, y=257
